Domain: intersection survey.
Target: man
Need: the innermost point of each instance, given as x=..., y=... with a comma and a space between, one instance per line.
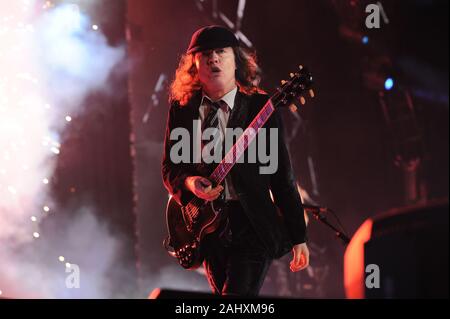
x=216, y=78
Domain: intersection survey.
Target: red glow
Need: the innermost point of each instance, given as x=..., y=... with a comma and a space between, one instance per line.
x=154, y=294
x=354, y=262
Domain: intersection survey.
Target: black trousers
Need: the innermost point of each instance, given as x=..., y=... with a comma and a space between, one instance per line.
x=236, y=262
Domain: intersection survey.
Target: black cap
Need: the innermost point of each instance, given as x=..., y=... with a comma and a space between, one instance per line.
x=212, y=37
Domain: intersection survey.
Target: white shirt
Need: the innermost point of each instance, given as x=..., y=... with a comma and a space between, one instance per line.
x=223, y=114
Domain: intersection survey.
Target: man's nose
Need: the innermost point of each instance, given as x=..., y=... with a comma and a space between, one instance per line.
x=213, y=57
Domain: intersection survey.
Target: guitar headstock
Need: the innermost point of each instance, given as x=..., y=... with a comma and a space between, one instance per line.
x=294, y=89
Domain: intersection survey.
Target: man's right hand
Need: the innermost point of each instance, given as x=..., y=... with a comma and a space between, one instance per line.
x=202, y=188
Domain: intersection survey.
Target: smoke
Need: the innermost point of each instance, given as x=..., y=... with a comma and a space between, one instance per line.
x=50, y=61
x=35, y=271
x=79, y=58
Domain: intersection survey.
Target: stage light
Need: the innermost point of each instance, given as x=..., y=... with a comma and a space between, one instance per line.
x=36, y=235
x=68, y=118
x=67, y=265
x=61, y=258
x=46, y=209
x=45, y=181
x=365, y=39
x=33, y=218
x=95, y=27
x=389, y=84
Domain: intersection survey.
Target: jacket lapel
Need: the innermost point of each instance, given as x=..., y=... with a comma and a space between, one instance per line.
x=239, y=114
x=194, y=105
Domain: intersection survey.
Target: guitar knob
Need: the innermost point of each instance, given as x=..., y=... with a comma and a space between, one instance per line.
x=291, y=75
x=293, y=108
x=283, y=82
x=302, y=100
x=311, y=93
x=300, y=67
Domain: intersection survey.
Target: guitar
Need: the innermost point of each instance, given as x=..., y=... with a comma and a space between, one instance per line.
x=189, y=225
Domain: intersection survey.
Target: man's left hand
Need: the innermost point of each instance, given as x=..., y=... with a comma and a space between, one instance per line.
x=300, y=258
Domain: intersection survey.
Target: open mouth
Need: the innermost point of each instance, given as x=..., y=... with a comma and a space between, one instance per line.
x=215, y=69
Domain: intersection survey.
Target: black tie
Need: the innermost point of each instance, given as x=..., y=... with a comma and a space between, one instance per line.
x=212, y=121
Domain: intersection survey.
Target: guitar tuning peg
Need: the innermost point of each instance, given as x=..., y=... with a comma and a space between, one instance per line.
x=291, y=75
x=283, y=82
x=300, y=67
x=293, y=108
x=302, y=100
x=311, y=93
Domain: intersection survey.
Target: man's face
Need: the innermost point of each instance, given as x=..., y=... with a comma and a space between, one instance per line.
x=216, y=68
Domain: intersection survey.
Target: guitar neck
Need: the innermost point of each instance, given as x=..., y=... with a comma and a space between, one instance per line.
x=242, y=144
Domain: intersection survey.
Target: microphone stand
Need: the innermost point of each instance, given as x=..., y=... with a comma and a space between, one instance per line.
x=316, y=211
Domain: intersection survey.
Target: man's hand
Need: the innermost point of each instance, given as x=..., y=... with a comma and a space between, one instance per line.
x=300, y=259
x=202, y=188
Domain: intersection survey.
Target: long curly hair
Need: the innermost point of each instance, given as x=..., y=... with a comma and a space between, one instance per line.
x=186, y=82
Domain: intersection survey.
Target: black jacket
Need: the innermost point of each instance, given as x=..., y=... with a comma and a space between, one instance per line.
x=279, y=226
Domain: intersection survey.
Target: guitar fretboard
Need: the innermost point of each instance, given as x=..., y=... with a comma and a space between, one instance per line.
x=242, y=144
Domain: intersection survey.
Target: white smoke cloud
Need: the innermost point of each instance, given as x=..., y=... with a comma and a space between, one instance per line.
x=80, y=58
x=48, y=66
x=36, y=271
